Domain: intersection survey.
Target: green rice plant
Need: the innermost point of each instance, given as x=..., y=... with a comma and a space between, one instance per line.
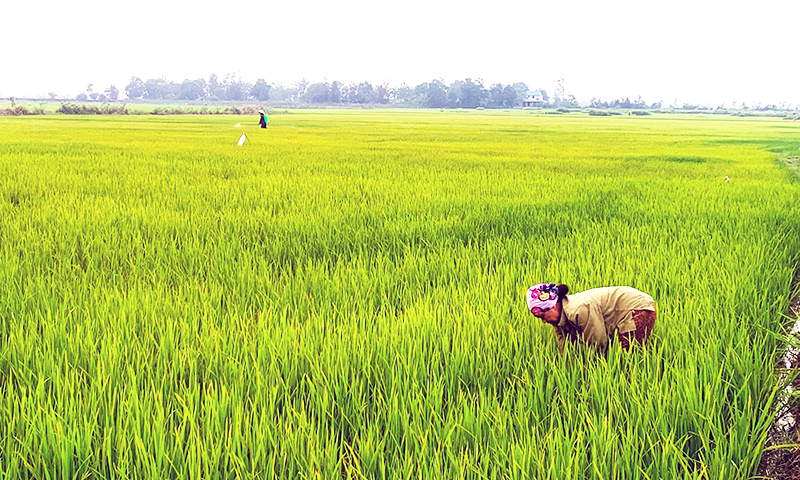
x=343, y=296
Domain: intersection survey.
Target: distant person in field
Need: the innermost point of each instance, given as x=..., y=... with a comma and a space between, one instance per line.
x=264, y=120
x=594, y=316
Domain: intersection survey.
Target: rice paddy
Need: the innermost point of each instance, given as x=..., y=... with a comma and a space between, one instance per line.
x=343, y=296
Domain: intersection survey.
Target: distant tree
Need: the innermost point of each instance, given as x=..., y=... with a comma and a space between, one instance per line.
x=136, y=88
x=434, y=92
x=283, y=93
x=94, y=96
x=82, y=97
x=335, y=93
x=231, y=88
x=155, y=88
x=545, y=96
x=214, y=90
x=236, y=90
x=421, y=91
x=112, y=93
x=219, y=93
x=317, y=93
x=101, y=97
x=89, y=88
x=260, y=90
x=52, y=95
x=454, y=94
x=472, y=93
x=213, y=87
x=172, y=90
x=406, y=95
x=510, y=96
x=360, y=93
x=558, y=96
x=190, y=90
x=500, y=96
x=496, y=99
x=522, y=92
x=349, y=92
x=365, y=93
x=201, y=82
x=301, y=86
x=383, y=93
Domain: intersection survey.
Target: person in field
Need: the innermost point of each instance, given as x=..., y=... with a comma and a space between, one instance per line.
x=264, y=120
x=594, y=316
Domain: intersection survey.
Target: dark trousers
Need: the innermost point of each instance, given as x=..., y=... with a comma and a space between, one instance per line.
x=645, y=320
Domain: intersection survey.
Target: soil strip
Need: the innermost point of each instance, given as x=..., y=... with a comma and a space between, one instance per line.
x=784, y=463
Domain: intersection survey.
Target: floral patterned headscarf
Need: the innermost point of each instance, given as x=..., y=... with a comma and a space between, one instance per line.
x=542, y=297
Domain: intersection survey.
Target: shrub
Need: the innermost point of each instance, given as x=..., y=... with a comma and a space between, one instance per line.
x=249, y=110
x=104, y=109
x=17, y=110
x=171, y=111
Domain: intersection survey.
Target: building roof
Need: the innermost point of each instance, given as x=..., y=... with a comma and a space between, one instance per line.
x=535, y=95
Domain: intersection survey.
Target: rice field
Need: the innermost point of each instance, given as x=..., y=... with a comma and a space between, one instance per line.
x=343, y=296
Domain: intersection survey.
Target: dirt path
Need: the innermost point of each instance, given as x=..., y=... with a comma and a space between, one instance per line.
x=785, y=463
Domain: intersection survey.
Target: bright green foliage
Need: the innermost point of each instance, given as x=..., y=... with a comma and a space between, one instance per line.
x=344, y=295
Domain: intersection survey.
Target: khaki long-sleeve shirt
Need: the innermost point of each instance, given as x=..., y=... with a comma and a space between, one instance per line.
x=593, y=315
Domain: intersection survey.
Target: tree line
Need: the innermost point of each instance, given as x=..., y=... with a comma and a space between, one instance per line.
x=467, y=93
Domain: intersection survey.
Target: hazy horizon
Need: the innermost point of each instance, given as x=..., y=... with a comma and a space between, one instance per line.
x=685, y=52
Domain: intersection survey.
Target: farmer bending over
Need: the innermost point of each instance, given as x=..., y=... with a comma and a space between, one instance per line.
x=595, y=314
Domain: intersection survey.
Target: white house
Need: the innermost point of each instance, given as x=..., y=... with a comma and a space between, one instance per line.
x=533, y=99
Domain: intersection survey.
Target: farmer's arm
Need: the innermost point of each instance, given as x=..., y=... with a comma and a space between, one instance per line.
x=561, y=338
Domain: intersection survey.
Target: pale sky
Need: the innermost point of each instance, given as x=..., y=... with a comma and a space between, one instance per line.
x=697, y=51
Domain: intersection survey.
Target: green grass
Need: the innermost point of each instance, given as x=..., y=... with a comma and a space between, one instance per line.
x=344, y=295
